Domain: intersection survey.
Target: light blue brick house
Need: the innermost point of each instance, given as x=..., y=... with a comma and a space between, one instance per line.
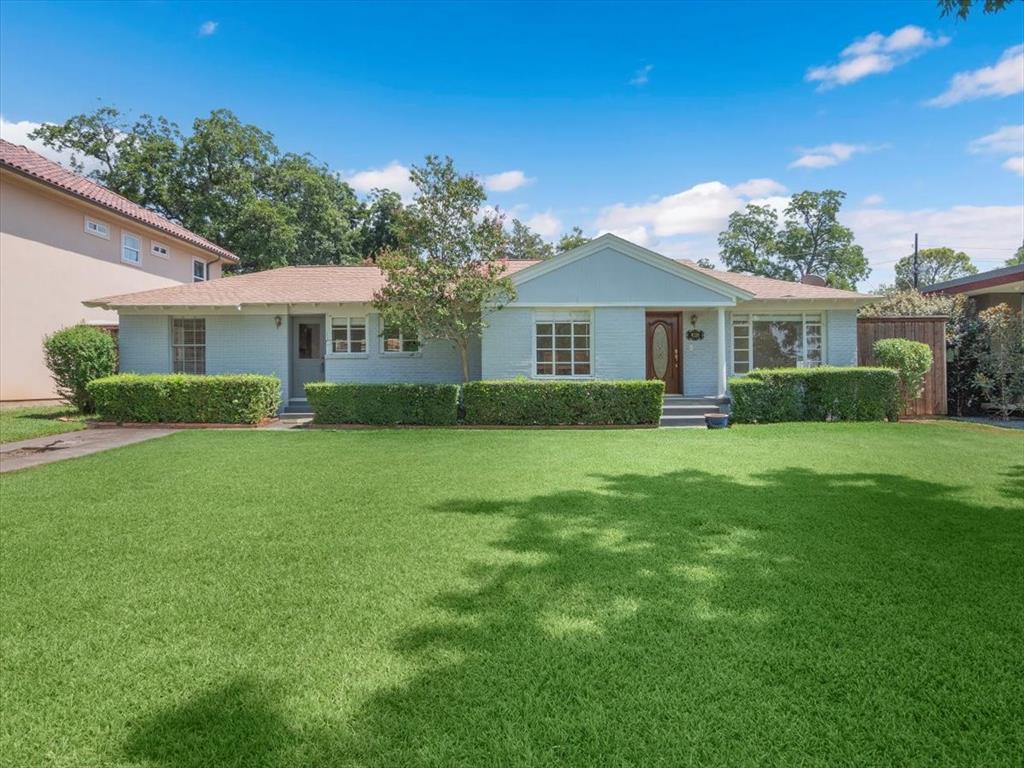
x=609, y=309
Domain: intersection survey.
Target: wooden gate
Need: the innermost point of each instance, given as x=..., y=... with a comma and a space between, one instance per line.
x=930, y=330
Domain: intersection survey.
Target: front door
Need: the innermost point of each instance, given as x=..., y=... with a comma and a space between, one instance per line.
x=307, y=353
x=663, y=350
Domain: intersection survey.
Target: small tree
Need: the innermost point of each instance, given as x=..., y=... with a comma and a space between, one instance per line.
x=76, y=356
x=452, y=268
x=1001, y=362
x=911, y=359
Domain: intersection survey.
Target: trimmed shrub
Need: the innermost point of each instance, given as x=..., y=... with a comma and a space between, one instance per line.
x=911, y=360
x=816, y=394
x=555, y=403
x=427, y=404
x=76, y=356
x=186, y=398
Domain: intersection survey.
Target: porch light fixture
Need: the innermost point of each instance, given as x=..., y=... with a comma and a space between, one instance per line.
x=277, y=320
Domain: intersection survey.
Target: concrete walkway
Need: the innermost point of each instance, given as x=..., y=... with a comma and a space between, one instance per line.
x=43, y=450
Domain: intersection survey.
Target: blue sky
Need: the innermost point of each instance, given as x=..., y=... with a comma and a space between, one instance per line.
x=653, y=121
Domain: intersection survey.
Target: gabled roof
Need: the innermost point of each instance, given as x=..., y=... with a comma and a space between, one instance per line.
x=705, y=278
x=343, y=284
x=25, y=162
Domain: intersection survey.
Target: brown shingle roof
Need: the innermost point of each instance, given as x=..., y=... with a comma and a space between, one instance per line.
x=769, y=288
x=285, y=285
x=35, y=166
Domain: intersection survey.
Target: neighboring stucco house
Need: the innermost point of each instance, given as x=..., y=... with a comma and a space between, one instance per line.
x=64, y=239
x=987, y=289
x=606, y=310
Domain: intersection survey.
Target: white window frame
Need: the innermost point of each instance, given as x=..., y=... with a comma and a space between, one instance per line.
x=102, y=229
x=349, y=321
x=159, y=250
x=578, y=316
x=192, y=346
x=206, y=271
x=401, y=342
x=746, y=319
x=125, y=234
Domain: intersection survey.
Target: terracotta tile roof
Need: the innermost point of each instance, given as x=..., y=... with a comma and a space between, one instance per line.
x=285, y=285
x=39, y=168
x=769, y=288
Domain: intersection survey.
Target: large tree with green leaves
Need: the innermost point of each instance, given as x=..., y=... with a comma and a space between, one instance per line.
x=934, y=265
x=1017, y=258
x=452, y=265
x=574, y=238
x=225, y=180
x=810, y=241
x=962, y=8
x=524, y=243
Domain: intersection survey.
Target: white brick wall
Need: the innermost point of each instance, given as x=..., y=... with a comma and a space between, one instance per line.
x=144, y=343
x=841, y=337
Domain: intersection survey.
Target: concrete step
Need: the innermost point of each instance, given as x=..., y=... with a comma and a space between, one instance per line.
x=688, y=409
x=684, y=421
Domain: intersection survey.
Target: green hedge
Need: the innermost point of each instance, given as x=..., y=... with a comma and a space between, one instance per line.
x=183, y=398
x=554, y=403
x=816, y=394
x=433, y=404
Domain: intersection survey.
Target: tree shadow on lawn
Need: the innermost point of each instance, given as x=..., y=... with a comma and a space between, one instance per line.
x=675, y=619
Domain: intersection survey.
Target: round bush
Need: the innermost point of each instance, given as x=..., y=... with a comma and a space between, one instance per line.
x=76, y=356
x=911, y=359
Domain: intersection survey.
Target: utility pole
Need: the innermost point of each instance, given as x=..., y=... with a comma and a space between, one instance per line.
x=915, y=262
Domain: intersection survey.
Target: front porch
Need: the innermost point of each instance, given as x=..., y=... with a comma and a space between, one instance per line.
x=686, y=347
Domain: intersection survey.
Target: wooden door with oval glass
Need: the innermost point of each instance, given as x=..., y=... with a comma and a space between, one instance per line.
x=663, y=350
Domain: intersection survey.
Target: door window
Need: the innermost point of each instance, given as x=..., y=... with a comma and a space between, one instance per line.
x=309, y=341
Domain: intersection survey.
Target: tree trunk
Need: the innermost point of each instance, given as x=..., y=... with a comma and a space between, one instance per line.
x=464, y=355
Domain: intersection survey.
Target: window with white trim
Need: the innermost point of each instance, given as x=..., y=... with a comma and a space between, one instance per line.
x=776, y=341
x=394, y=341
x=348, y=335
x=97, y=228
x=562, y=345
x=161, y=250
x=188, y=344
x=200, y=270
x=131, y=248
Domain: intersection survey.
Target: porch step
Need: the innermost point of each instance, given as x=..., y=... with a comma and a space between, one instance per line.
x=297, y=407
x=680, y=411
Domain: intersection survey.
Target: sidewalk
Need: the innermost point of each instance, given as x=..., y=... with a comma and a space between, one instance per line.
x=44, y=450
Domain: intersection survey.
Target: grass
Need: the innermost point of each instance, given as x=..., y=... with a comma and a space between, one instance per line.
x=37, y=421
x=808, y=594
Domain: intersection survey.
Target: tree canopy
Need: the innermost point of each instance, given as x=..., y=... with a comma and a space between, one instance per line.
x=1017, y=258
x=810, y=241
x=574, y=238
x=962, y=8
x=934, y=265
x=524, y=243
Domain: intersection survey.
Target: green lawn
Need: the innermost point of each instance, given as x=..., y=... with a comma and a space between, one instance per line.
x=848, y=594
x=37, y=421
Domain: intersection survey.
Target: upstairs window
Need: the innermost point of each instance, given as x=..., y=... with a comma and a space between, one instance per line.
x=393, y=341
x=97, y=228
x=776, y=341
x=161, y=250
x=131, y=248
x=199, y=271
x=188, y=344
x=348, y=335
x=563, y=345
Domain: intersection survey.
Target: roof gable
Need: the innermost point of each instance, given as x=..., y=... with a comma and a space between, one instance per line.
x=706, y=286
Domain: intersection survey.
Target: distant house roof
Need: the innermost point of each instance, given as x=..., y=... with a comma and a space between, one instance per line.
x=34, y=166
x=994, y=280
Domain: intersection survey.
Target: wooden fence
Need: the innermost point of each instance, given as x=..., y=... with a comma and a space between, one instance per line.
x=930, y=330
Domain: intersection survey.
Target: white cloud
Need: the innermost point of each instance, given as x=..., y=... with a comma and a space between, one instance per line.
x=642, y=75
x=1004, y=78
x=507, y=181
x=874, y=55
x=207, y=28
x=545, y=224
x=888, y=234
x=17, y=133
x=828, y=155
x=701, y=209
x=393, y=176
x=1015, y=164
x=875, y=199
x=1006, y=140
